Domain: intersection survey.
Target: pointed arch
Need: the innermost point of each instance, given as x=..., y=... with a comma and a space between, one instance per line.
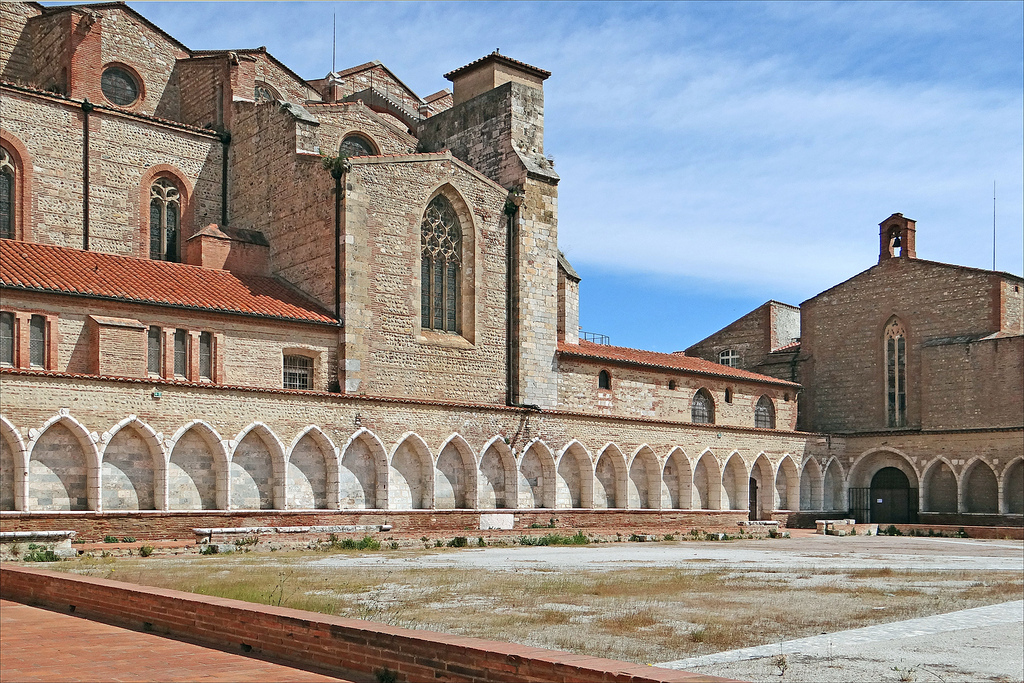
x=610, y=476
x=811, y=485
x=498, y=485
x=363, y=472
x=537, y=476
x=979, y=488
x=644, y=479
x=455, y=475
x=64, y=466
x=448, y=278
x=677, y=478
x=834, y=486
x=735, y=483
x=707, y=482
x=152, y=223
x=762, y=478
x=575, y=477
x=1012, y=488
x=13, y=467
x=134, y=467
x=411, y=474
x=312, y=471
x=257, y=467
x=940, y=487
x=702, y=407
x=787, y=485
x=894, y=340
x=197, y=468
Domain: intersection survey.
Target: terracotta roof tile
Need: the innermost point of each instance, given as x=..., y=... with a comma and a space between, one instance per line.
x=498, y=57
x=50, y=268
x=669, y=361
x=791, y=346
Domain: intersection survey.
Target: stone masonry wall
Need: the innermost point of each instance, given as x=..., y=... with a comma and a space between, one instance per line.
x=342, y=118
x=16, y=41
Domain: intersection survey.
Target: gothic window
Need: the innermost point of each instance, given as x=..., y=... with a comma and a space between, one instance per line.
x=764, y=413
x=298, y=372
x=6, y=195
x=180, y=353
x=6, y=339
x=703, y=409
x=441, y=267
x=729, y=357
x=356, y=146
x=119, y=86
x=896, y=374
x=37, y=342
x=154, y=354
x=205, y=356
x=604, y=380
x=164, y=221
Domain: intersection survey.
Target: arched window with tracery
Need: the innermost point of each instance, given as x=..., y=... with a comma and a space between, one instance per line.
x=7, y=193
x=356, y=146
x=896, y=374
x=164, y=220
x=703, y=409
x=764, y=413
x=441, y=267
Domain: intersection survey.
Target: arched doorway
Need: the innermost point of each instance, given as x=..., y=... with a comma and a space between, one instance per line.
x=892, y=499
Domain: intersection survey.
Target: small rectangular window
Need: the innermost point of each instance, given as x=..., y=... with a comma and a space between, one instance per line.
x=37, y=342
x=298, y=371
x=181, y=353
x=205, y=355
x=6, y=339
x=154, y=355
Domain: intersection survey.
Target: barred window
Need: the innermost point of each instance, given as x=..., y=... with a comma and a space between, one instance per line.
x=441, y=267
x=356, y=146
x=154, y=354
x=298, y=372
x=6, y=339
x=164, y=221
x=703, y=409
x=764, y=413
x=730, y=357
x=6, y=195
x=119, y=86
x=37, y=342
x=205, y=355
x=181, y=353
x=896, y=374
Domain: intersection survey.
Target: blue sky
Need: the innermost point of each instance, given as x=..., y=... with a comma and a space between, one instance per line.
x=716, y=155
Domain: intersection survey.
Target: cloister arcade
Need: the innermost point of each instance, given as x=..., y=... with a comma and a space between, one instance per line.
x=64, y=466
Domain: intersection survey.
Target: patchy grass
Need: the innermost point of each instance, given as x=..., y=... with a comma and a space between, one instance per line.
x=641, y=615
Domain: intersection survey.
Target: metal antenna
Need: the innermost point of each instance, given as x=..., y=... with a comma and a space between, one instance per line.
x=993, y=225
x=334, y=44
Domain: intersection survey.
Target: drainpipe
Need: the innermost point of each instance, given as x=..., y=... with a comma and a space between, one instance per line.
x=338, y=172
x=87, y=107
x=512, y=204
x=225, y=141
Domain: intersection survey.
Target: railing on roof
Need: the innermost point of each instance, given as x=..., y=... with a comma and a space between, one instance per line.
x=596, y=338
x=372, y=97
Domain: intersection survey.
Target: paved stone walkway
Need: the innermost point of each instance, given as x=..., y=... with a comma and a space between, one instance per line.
x=978, y=617
x=39, y=645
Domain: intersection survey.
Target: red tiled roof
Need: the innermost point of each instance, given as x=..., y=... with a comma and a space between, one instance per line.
x=670, y=361
x=498, y=57
x=791, y=346
x=43, y=267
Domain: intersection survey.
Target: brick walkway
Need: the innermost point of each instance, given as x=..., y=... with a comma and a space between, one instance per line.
x=39, y=645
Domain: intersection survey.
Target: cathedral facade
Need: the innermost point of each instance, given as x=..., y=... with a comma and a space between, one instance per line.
x=227, y=289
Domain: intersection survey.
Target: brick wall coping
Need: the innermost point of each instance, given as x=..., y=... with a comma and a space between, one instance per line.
x=333, y=643
x=102, y=108
x=29, y=372
x=9, y=536
x=914, y=432
x=337, y=528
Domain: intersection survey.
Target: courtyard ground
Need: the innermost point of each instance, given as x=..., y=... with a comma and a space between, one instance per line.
x=666, y=602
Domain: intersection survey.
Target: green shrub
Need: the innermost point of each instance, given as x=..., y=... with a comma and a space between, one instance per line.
x=111, y=539
x=394, y=545
x=891, y=530
x=208, y=550
x=670, y=537
x=145, y=551
x=41, y=555
x=555, y=539
x=458, y=542
x=128, y=539
x=480, y=542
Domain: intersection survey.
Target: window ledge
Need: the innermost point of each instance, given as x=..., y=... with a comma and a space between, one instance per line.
x=451, y=341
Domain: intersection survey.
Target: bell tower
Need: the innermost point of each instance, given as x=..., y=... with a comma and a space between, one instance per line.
x=897, y=238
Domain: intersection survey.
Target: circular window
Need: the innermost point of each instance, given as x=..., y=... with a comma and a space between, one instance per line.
x=119, y=86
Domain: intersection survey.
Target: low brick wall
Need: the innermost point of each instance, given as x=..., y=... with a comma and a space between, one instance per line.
x=151, y=526
x=332, y=643
x=992, y=532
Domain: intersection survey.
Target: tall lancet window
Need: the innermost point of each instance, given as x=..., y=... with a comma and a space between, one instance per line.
x=441, y=267
x=164, y=221
x=896, y=374
x=6, y=195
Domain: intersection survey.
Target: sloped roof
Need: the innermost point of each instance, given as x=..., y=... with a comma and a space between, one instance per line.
x=61, y=270
x=498, y=57
x=667, y=361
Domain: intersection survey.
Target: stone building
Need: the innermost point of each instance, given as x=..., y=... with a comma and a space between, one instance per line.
x=227, y=290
